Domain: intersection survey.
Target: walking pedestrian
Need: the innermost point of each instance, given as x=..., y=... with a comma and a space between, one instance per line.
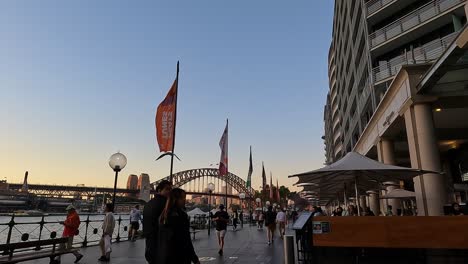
x=71, y=225
x=235, y=219
x=107, y=230
x=221, y=218
x=294, y=215
x=241, y=219
x=261, y=219
x=282, y=222
x=174, y=243
x=270, y=223
x=151, y=214
x=135, y=218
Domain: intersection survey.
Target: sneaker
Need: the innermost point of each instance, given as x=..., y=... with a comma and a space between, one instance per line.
x=78, y=258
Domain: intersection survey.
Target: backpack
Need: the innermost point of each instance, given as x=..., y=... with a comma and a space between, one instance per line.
x=270, y=218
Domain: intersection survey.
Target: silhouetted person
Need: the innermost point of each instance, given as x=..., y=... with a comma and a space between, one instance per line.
x=175, y=245
x=221, y=218
x=456, y=210
x=151, y=214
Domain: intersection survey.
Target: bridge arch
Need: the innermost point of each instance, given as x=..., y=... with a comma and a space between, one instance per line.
x=184, y=177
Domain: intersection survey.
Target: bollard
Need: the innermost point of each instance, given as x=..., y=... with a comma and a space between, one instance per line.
x=289, y=257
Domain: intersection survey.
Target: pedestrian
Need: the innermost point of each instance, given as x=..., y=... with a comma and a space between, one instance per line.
x=294, y=215
x=135, y=218
x=151, y=214
x=174, y=242
x=368, y=212
x=71, y=225
x=108, y=226
x=456, y=210
x=221, y=218
x=235, y=219
x=282, y=222
x=241, y=219
x=270, y=223
x=389, y=210
x=261, y=219
x=318, y=211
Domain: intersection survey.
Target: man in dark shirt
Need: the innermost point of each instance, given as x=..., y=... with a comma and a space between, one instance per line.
x=151, y=213
x=221, y=219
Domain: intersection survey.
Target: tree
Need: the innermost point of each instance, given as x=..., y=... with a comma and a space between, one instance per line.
x=284, y=192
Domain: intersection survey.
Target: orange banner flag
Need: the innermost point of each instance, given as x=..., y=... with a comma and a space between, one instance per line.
x=165, y=120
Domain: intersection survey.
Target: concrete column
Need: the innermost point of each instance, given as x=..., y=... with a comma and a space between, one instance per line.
x=424, y=154
x=387, y=156
x=395, y=203
x=374, y=202
x=362, y=202
x=388, y=150
x=383, y=202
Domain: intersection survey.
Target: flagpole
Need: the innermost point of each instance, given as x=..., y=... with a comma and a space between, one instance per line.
x=227, y=165
x=175, y=122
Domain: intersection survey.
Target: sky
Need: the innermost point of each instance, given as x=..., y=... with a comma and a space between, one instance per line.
x=81, y=80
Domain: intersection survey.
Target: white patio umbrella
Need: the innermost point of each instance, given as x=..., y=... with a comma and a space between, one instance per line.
x=399, y=194
x=357, y=168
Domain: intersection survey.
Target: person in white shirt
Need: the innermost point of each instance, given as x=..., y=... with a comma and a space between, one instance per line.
x=135, y=217
x=107, y=230
x=282, y=221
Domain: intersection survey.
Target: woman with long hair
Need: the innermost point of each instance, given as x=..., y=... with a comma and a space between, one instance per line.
x=175, y=245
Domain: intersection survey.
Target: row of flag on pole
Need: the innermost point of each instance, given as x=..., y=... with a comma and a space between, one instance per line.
x=166, y=116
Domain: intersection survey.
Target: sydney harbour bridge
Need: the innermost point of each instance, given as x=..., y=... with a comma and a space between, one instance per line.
x=194, y=181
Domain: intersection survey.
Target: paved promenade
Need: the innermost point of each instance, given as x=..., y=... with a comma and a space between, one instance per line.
x=247, y=245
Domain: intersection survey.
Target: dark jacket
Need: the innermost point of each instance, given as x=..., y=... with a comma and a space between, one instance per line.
x=175, y=244
x=151, y=213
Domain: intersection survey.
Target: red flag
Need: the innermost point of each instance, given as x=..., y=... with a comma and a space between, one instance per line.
x=271, y=187
x=165, y=120
x=278, y=192
x=223, y=144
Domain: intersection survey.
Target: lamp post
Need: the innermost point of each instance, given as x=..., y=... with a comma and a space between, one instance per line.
x=242, y=197
x=211, y=187
x=117, y=162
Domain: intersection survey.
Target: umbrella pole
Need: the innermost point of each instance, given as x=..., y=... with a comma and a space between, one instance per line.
x=345, y=200
x=357, y=195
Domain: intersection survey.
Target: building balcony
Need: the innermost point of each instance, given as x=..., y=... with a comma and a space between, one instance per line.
x=376, y=5
x=379, y=10
x=433, y=13
x=424, y=54
x=336, y=137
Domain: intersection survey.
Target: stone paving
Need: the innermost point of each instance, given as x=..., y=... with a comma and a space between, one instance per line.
x=247, y=245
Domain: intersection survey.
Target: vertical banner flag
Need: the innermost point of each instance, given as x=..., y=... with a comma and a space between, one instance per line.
x=277, y=191
x=165, y=120
x=271, y=187
x=263, y=180
x=223, y=144
x=249, y=174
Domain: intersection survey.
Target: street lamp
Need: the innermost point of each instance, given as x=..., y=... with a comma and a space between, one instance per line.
x=242, y=197
x=211, y=188
x=117, y=162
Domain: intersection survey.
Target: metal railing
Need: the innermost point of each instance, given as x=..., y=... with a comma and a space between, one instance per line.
x=376, y=5
x=424, y=54
x=412, y=20
x=21, y=229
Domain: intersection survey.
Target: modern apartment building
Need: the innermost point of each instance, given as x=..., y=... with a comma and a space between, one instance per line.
x=399, y=91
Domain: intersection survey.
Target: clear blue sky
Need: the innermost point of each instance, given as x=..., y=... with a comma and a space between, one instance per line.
x=80, y=80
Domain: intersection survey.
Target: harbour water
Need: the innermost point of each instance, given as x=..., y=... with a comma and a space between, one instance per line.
x=90, y=228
